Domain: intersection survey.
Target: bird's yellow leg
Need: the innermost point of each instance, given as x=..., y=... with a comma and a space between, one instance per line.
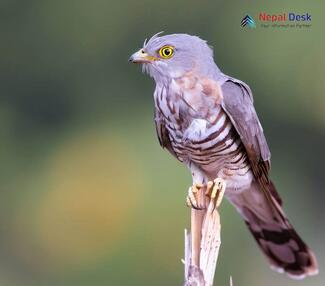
x=215, y=190
x=192, y=196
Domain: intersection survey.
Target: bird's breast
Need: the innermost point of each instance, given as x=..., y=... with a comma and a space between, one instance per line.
x=186, y=99
x=199, y=130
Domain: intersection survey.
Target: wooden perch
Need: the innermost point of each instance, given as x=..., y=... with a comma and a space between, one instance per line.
x=203, y=243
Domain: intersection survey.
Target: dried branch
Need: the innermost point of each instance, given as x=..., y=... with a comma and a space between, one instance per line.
x=202, y=244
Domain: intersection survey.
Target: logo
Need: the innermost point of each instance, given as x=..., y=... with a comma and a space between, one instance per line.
x=248, y=21
x=280, y=20
x=283, y=17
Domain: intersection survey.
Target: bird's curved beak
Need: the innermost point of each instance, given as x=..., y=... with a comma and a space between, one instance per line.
x=141, y=57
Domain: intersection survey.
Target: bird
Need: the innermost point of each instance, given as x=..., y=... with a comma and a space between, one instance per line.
x=207, y=120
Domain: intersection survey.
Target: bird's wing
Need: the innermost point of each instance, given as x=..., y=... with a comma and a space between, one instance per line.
x=162, y=133
x=238, y=104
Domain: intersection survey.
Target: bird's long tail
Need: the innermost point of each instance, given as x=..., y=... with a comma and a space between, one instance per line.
x=274, y=234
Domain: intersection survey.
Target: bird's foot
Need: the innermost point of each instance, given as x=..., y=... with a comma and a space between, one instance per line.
x=192, y=197
x=215, y=190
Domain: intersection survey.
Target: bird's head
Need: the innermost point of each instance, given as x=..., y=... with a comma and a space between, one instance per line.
x=172, y=56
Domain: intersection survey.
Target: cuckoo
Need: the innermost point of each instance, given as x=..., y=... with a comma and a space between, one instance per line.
x=207, y=120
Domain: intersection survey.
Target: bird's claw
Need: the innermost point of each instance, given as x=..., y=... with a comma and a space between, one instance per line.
x=214, y=190
x=192, y=197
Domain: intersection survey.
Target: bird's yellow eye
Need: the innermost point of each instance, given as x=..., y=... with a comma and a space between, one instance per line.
x=166, y=52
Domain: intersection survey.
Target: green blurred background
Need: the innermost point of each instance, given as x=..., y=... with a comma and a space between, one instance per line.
x=87, y=195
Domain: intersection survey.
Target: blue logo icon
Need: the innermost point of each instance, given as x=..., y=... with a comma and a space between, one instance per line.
x=248, y=21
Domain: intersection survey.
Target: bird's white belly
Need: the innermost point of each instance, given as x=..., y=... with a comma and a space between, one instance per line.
x=209, y=141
